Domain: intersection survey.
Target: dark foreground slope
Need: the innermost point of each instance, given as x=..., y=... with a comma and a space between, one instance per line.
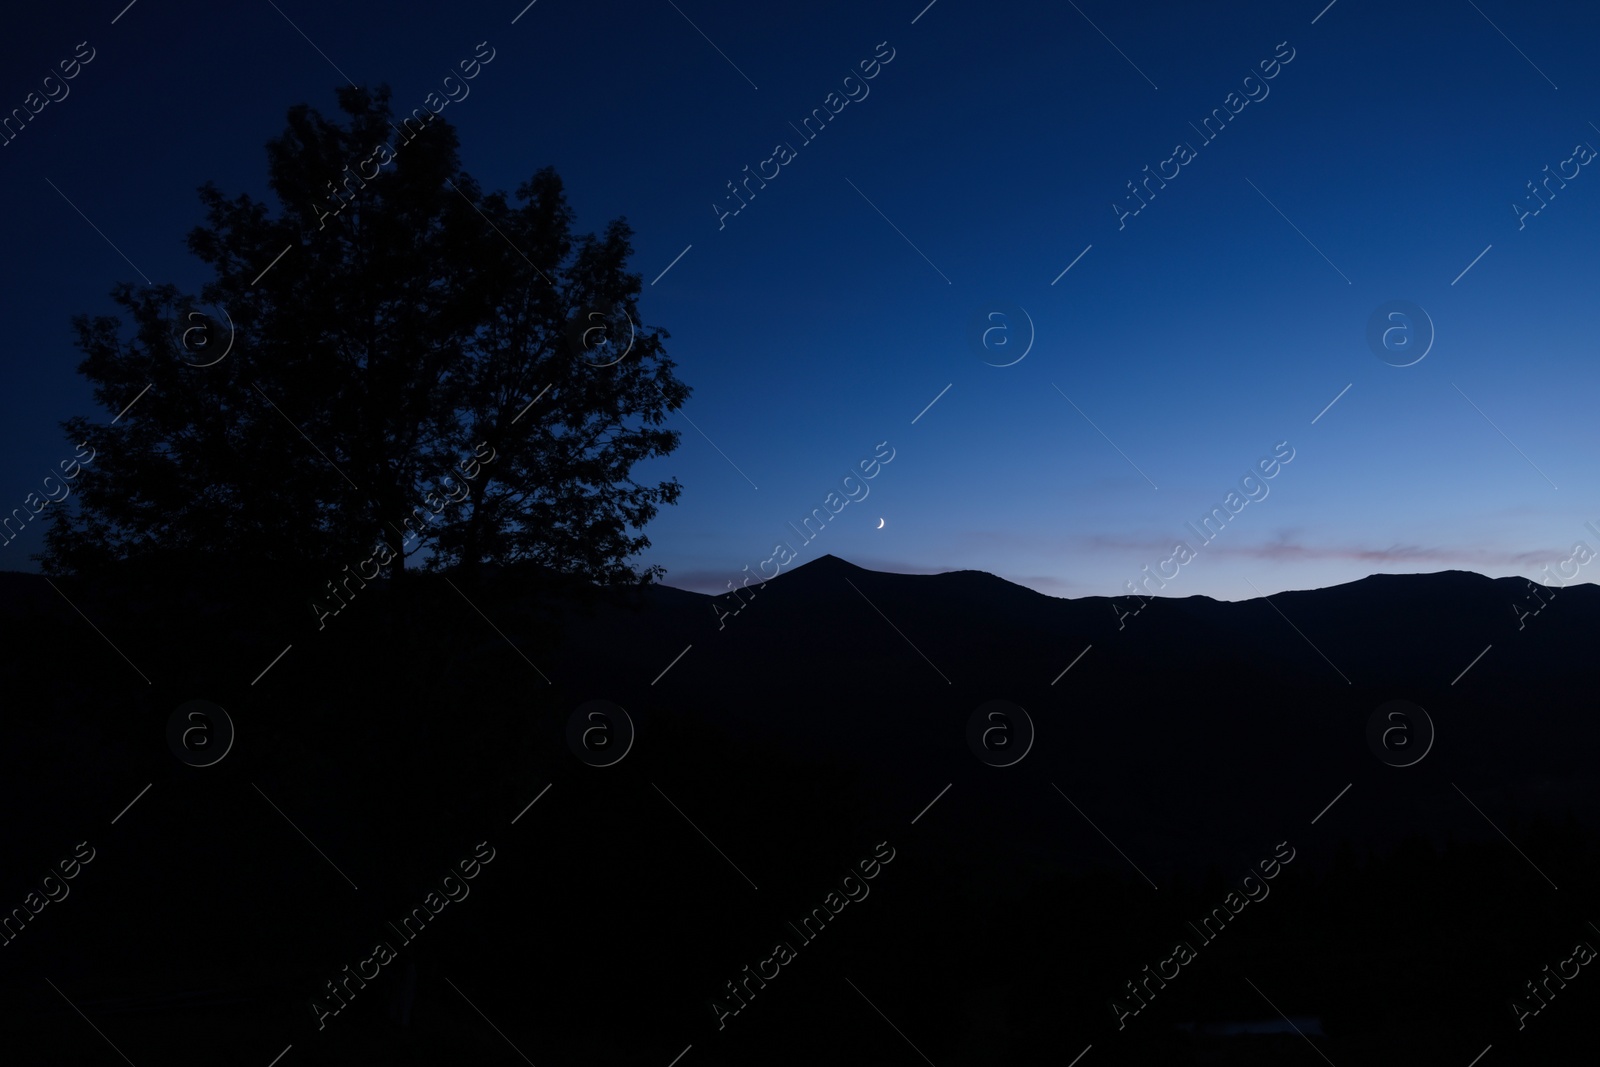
x=763, y=755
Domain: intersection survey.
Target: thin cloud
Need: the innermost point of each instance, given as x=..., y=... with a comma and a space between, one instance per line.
x=1285, y=550
x=706, y=581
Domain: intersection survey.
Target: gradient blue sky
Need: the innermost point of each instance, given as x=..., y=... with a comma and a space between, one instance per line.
x=1212, y=326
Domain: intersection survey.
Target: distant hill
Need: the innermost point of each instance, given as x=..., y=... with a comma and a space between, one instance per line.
x=1213, y=708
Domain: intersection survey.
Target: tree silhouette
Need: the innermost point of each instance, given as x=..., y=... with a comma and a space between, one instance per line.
x=395, y=363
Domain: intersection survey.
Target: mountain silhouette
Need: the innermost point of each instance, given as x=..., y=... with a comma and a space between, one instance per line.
x=779, y=734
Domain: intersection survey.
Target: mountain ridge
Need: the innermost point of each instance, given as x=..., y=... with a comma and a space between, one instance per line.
x=829, y=564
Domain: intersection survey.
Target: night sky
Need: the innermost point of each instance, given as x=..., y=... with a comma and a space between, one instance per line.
x=1377, y=155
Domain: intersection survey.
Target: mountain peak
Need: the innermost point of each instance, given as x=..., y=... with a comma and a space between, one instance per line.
x=829, y=563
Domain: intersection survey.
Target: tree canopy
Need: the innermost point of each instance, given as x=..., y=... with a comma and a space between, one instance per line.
x=411, y=365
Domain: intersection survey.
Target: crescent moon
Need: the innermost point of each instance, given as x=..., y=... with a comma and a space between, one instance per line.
x=880, y=524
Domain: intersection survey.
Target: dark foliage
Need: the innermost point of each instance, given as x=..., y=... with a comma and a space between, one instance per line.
x=389, y=327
